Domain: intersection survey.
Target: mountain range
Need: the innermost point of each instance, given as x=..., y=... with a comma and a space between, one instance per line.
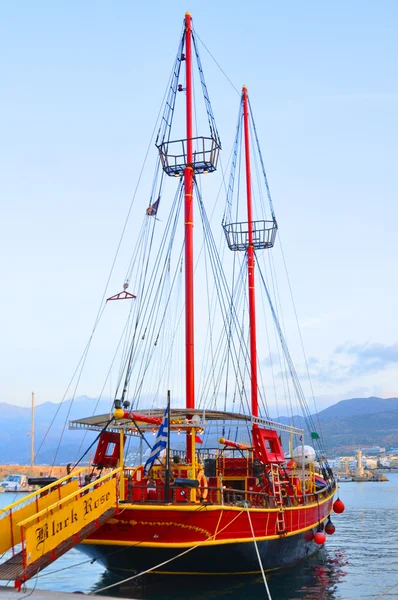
x=343, y=427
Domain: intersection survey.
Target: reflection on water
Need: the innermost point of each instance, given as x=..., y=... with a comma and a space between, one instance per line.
x=358, y=562
x=315, y=578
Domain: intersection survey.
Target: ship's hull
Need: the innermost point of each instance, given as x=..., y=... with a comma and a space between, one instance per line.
x=205, y=540
x=230, y=559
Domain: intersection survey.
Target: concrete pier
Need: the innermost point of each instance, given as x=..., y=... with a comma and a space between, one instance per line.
x=9, y=593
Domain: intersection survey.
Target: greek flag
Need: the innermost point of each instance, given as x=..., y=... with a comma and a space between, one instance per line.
x=160, y=442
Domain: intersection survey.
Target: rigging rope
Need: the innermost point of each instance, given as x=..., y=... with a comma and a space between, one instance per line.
x=223, y=292
x=80, y=364
x=262, y=163
x=218, y=65
x=171, y=93
x=210, y=115
x=258, y=554
x=301, y=338
x=278, y=309
x=151, y=291
x=293, y=374
x=101, y=308
x=169, y=560
x=386, y=592
x=95, y=440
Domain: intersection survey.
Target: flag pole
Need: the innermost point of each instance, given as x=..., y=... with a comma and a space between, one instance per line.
x=167, y=479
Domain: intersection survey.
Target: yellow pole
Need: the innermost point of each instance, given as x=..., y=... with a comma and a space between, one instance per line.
x=32, y=446
x=193, y=453
x=121, y=465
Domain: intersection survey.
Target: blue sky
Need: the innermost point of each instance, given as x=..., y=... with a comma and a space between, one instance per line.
x=81, y=84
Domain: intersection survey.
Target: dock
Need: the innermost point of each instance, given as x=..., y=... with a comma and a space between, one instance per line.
x=9, y=593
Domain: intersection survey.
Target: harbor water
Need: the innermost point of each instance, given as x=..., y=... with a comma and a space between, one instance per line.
x=360, y=561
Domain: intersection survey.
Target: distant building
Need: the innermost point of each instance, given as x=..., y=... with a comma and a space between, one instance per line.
x=345, y=464
x=359, y=471
x=374, y=450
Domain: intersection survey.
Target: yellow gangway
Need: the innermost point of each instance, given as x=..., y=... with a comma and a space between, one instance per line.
x=39, y=528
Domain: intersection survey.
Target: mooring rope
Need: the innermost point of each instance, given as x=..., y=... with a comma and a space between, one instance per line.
x=258, y=555
x=386, y=592
x=166, y=561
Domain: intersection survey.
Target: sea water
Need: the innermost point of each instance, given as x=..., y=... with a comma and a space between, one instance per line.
x=360, y=561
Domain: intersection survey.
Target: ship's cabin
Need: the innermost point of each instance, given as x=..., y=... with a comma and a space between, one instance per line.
x=233, y=474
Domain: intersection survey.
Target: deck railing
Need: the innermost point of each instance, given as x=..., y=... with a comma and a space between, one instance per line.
x=229, y=496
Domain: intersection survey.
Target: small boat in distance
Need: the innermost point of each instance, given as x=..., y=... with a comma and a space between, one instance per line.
x=15, y=482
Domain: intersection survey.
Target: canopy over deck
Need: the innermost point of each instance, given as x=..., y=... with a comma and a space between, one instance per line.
x=180, y=418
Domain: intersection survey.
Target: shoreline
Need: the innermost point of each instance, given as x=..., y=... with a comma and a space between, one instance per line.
x=35, y=471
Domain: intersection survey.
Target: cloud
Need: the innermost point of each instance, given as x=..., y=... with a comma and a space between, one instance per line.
x=369, y=358
x=271, y=360
x=352, y=360
x=313, y=362
x=327, y=371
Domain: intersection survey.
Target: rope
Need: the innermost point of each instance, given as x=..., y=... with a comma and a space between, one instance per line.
x=167, y=561
x=24, y=589
x=96, y=439
x=82, y=360
x=258, y=554
x=296, y=383
x=84, y=562
x=301, y=337
x=145, y=572
x=386, y=592
x=221, y=69
x=228, y=310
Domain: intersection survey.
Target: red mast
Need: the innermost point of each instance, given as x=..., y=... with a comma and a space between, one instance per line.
x=250, y=261
x=188, y=189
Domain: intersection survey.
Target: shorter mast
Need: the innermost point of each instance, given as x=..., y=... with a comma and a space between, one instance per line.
x=250, y=261
x=32, y=442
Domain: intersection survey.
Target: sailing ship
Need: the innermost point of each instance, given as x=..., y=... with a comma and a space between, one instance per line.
x=242, y=492
x=198, y=510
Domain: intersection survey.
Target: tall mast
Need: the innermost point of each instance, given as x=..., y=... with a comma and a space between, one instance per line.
x=188, y=189
x=250, y=261
x=199, y=155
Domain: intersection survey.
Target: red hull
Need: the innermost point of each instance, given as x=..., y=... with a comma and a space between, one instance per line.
x=160, y=539
x=184, y=526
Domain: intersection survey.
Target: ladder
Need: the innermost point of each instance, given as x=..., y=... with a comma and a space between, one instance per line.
x=41, y=527
x=277, y=492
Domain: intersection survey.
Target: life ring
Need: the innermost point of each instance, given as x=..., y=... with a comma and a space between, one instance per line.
x=202, y=491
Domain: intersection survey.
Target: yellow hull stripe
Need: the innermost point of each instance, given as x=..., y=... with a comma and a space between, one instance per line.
x=156, y=572
x=200, y=507
x=198, y=543
x=228, y=573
